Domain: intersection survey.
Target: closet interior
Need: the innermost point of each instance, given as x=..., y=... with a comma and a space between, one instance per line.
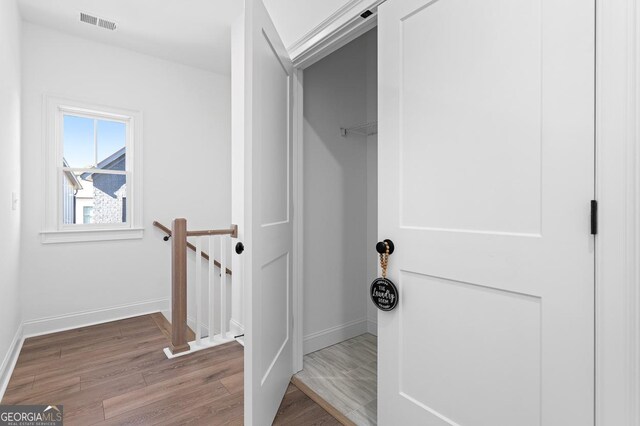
x=340, y=173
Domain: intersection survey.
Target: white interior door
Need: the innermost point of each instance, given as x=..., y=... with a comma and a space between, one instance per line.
x=486, y=173
x=262, y=136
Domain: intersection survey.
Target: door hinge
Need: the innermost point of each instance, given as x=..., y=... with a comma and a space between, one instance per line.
x=594, y=217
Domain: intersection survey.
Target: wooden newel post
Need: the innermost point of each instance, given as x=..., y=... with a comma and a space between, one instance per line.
x=179, y=286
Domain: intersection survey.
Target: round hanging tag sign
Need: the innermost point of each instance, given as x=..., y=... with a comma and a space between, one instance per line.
x=384, y=294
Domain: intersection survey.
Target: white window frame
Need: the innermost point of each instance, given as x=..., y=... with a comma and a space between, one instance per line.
x=54, y=230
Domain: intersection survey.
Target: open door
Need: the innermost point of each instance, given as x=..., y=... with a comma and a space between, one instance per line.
x=486, y=172
x=262, y=189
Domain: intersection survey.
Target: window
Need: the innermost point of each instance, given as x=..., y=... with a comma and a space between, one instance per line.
x=93, y=156
x=87, y=214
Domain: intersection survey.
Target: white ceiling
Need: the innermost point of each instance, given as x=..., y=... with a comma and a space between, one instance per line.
x=193, y=32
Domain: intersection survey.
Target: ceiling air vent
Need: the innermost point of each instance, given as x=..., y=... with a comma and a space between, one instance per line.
x=110, y=25
x=100, y=22
x=88, y=18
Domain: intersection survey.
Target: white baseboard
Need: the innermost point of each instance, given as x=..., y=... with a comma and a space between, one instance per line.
x=321, y=339
x=236, y=328
x=372, y=327
x=191, y=323
x=9, y=361
x=82, y=319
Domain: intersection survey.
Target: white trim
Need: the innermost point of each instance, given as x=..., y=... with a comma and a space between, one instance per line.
x=84, y=235
x=618, y=193
x=330, y=336
x=58, y=323
x=298, y=222
x=236, y=328
x=194, y=346
x=90, y=111
x=372, y=327
x=53, y=231
x=308, y=38
x=344, y=25
x=10, y=360
x=337, y=40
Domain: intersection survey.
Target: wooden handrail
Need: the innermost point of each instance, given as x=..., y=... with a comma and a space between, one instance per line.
x=192, y=247
x=233, y=231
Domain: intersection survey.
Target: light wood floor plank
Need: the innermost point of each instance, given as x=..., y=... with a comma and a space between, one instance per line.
x=343, y=377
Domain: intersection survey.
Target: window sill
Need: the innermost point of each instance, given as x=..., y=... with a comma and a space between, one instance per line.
x=85, y=235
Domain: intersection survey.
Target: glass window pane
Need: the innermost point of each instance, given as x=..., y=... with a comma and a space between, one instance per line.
x=87, y=214
x=112, y=139
x=94, y=198
x=77, y=141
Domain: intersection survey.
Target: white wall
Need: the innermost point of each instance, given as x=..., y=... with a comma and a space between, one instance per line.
x=336, y=244
x=9, y=180
x=186, y=173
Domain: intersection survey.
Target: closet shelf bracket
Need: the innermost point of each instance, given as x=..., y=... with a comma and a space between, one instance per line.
x=366, y=129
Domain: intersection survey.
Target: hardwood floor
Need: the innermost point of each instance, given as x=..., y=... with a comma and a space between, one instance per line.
x=117, y=374
x=343, y=378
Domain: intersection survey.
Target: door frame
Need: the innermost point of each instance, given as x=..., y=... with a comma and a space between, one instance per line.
x=617, y=189
x=339, y=29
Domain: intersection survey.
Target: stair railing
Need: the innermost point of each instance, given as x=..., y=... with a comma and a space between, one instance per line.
x=205, y=255
x=179, y=246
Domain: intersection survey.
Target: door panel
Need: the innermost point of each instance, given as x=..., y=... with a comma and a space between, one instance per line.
x=262, y=95
x=275, y=292
x=275, y=80
x=455, y=172
x=486, y=171
x=465, y=319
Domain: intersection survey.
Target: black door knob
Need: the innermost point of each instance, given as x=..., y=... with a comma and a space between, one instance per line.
x=239, y=248
x=382, y=248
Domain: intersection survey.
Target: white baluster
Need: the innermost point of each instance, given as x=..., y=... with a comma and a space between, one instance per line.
x=223, y=286
x=212, y=274
x=198, y=289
